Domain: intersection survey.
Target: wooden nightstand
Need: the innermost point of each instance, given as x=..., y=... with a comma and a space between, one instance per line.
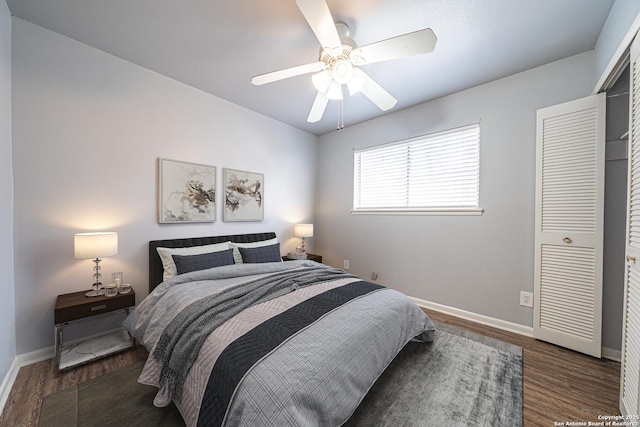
x=312, y=257
x=77, y=308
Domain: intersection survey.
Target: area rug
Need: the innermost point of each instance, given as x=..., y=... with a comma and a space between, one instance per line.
x=461, y=379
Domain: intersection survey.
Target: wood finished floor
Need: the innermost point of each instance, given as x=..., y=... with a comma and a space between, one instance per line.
x=559, y=385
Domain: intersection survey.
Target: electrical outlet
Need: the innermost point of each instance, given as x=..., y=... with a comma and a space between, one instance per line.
x=346, y=264
x=526, y=299
x=374, y=275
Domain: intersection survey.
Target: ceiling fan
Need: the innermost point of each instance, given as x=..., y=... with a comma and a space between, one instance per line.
x=340, y=59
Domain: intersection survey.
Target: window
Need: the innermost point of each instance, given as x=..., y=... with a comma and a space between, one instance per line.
x=438, y=172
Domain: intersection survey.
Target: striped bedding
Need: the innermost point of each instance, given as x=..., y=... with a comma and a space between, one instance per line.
x=306, y=357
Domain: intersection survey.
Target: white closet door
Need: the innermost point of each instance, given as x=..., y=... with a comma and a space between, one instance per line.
x=631, y=316
x=570, y=149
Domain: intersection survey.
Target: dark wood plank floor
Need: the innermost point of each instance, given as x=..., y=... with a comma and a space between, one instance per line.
x=37, y=381
x=559, y=385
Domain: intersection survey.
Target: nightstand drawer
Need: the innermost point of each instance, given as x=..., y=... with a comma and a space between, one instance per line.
x=77, y=306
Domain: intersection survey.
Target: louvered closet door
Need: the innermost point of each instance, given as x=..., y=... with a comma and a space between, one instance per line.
x=630, y=367
x=570, y=150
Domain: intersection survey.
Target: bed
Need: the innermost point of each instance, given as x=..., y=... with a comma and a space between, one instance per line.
x=255, y=341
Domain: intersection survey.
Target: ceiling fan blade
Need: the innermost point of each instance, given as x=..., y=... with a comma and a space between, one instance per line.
x=318, y=15
x=376, y=93
x=288, y=72
x=419, y=42
x=317, y=110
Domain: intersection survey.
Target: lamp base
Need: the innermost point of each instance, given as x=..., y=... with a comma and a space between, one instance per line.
x=92, y=294
x=96, y=292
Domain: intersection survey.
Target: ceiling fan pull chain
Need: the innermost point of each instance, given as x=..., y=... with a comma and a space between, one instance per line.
x=341, y=114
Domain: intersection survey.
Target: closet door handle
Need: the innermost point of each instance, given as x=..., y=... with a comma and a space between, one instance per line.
x=631, y=258
x=567, y=240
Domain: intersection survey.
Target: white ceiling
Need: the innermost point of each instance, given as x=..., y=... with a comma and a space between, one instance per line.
x=217, y=46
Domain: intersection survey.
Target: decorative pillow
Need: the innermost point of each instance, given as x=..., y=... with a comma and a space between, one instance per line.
x=187, y=263
x=261, y=254
x=167, y=253
x=236, y=253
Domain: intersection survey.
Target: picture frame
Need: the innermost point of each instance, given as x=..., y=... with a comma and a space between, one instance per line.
x=187, y=192
x=243, y=195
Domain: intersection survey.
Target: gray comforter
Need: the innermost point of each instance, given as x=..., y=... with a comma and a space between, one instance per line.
x=316, y=376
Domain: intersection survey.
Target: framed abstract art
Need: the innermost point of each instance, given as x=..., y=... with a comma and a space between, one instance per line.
x=243, y=195
x=187, y=192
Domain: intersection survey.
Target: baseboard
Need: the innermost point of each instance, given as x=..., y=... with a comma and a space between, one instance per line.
x=36, y=356
x=612, y=354
x=607, y=353
x=478, y=318
x=7, y=383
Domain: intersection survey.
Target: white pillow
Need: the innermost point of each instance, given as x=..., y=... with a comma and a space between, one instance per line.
x=166, y=255
x=237, y=257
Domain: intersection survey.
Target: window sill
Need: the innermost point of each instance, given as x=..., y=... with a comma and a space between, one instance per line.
x=443, y=212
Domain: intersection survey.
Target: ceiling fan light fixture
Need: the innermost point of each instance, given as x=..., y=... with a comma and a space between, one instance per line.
x=356, y=57
x=335, y=91
x=321, y=81
x=356, y=82
x=342, y=71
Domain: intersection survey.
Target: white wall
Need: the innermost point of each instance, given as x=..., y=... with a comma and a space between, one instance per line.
x=88, y=129
x=474, y=263
x=7, y=312
x=622, y=17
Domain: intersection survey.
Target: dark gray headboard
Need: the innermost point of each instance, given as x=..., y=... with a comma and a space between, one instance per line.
x=155, y=264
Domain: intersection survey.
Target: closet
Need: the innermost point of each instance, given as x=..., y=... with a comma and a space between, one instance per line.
x=630, y=369
x=572, y=248
x=569, y=224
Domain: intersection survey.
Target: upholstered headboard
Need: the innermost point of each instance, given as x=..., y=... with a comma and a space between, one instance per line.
x=155, y=264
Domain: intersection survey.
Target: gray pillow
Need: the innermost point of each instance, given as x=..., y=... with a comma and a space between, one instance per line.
x=187, y=263
x=269, y=253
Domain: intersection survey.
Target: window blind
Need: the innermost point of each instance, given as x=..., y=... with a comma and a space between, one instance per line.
x=435, y=171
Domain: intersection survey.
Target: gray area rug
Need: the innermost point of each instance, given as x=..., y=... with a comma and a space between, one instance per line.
x=461, y=379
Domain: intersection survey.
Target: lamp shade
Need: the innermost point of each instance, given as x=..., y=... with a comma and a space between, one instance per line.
x=95, y=245
x=303, y=230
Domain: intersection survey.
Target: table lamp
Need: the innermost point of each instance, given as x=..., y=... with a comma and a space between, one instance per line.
x=303, y=230
x=96, y=245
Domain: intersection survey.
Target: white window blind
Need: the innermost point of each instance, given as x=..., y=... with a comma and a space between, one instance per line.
x=435, y=171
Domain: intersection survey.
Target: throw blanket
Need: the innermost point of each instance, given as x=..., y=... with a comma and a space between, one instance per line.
x=182, y=339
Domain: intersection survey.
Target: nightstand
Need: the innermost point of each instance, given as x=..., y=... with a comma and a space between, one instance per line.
x=312, y=257
x=76, y=308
